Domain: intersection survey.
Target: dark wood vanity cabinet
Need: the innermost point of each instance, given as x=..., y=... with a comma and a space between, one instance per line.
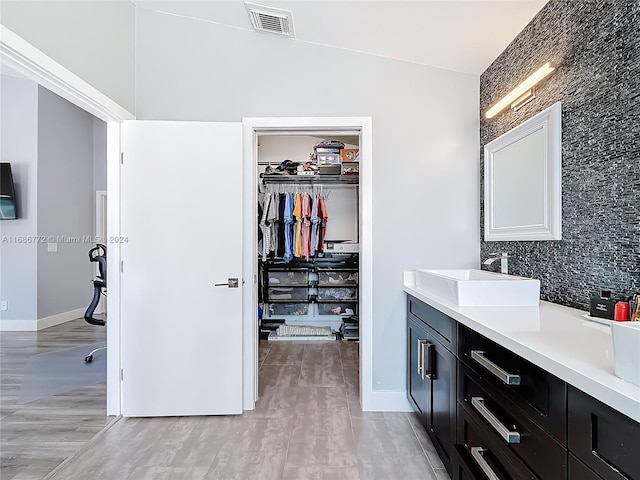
x=431, y=382
x=491, y=414
x=602, y=438
x=516, y=410
x=538, y=394
x=416, y=382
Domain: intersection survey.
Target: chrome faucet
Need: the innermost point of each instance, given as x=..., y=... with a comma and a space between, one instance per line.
x=503, y=257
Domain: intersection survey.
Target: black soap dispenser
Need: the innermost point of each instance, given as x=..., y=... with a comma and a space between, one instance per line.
x=602, y=306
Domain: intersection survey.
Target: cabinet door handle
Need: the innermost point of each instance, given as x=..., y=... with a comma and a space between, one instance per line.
x=508, y=378
x=420, y=359
x=427, y=366
x=477, y=454
x=508, y=435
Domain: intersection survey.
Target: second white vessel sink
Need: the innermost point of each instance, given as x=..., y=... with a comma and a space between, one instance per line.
x=479, y=288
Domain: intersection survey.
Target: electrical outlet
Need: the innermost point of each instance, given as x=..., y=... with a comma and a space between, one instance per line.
x=52, y=247
x=4, y=305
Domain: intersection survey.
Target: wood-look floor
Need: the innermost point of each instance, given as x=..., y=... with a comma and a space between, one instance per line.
x=308, y=424
x=37, y=436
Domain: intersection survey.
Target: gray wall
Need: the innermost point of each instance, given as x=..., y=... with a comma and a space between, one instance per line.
x=18, y=146
x=65, y=206
x=93, y=39
x=99, y=155
x=596, y=48
x=425, y=139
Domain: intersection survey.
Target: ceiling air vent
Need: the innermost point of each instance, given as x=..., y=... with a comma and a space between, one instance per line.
x=270, y=20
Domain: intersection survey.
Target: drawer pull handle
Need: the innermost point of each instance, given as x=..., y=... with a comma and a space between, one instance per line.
x=508, y=435
x=508, y=378
x=477, y=454
x=424, y=368
x=426, y=364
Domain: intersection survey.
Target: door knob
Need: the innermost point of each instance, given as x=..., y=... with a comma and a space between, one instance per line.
x=231, y=283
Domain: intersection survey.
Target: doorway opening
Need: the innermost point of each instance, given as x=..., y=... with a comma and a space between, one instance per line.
x=311, y=291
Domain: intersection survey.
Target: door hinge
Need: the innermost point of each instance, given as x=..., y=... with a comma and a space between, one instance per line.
x=121, y=158
x=121, y=374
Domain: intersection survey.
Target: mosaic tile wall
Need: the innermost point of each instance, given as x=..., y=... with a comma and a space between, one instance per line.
x=595, y=47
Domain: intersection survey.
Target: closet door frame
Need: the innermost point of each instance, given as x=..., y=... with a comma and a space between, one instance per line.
x=319, y=126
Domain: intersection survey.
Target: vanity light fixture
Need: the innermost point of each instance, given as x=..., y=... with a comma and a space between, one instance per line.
x=523, y=93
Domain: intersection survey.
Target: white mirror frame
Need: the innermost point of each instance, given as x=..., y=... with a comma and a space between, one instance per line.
x=550, y=121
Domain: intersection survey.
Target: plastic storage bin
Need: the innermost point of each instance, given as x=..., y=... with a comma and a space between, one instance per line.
x=288, y=278
x=288, y=293
x=288, y=308
x=341, y=308
x=337, y=293
x=337, y=277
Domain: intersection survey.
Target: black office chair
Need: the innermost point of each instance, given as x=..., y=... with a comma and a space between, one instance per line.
x=97, y=254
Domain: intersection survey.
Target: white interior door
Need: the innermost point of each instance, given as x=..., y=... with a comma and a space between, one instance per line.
x=182, y=233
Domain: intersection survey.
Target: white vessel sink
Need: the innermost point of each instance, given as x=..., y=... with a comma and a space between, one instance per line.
x=478, y=288
x=626, y=350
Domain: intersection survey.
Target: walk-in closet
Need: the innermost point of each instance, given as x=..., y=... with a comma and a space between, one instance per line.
x=308, y=232
x=309, y=271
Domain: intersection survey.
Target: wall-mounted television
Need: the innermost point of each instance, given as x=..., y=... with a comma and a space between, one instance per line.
x=7, y=193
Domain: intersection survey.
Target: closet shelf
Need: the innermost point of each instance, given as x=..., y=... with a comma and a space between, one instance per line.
x=290, y=300
x=337, y=300
x=311, y=179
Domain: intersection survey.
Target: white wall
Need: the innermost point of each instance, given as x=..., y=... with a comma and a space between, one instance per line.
x=18, y=146
x=425, y=139
x=94, y=39
x=65, y=204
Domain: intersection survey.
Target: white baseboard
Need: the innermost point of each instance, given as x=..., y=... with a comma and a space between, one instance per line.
x=41, y=323
x=386, y=401
x=18, y=325
x=59, y=318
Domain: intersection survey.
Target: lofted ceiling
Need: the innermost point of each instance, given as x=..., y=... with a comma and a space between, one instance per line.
x=461, y=35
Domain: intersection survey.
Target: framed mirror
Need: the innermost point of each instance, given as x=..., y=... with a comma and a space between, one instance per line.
x=523, y=182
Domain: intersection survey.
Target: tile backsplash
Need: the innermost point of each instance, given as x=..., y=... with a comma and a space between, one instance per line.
x=595, y=48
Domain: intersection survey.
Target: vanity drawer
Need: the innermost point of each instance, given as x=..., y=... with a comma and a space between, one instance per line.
x=478, y=452
x=604, y=439
x=579, y=471
x=509, y=426
x=537, y=393
x=443, y=326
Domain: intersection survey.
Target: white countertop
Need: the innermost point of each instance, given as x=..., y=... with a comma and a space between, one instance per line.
x=556, y=338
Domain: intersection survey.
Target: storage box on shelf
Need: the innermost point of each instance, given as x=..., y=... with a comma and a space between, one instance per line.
x=286, y=289
x=337, y=288
x=350, y=327
x=328, y=159
x=330, y=281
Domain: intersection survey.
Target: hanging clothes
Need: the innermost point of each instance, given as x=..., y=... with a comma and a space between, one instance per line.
x=280, y=229
x=264, y=227
x=293, y=224
x=272, y=217
x=324, y=215
x=315, y=221
x=297, y=213
x=305, y=229
x=288, y=225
